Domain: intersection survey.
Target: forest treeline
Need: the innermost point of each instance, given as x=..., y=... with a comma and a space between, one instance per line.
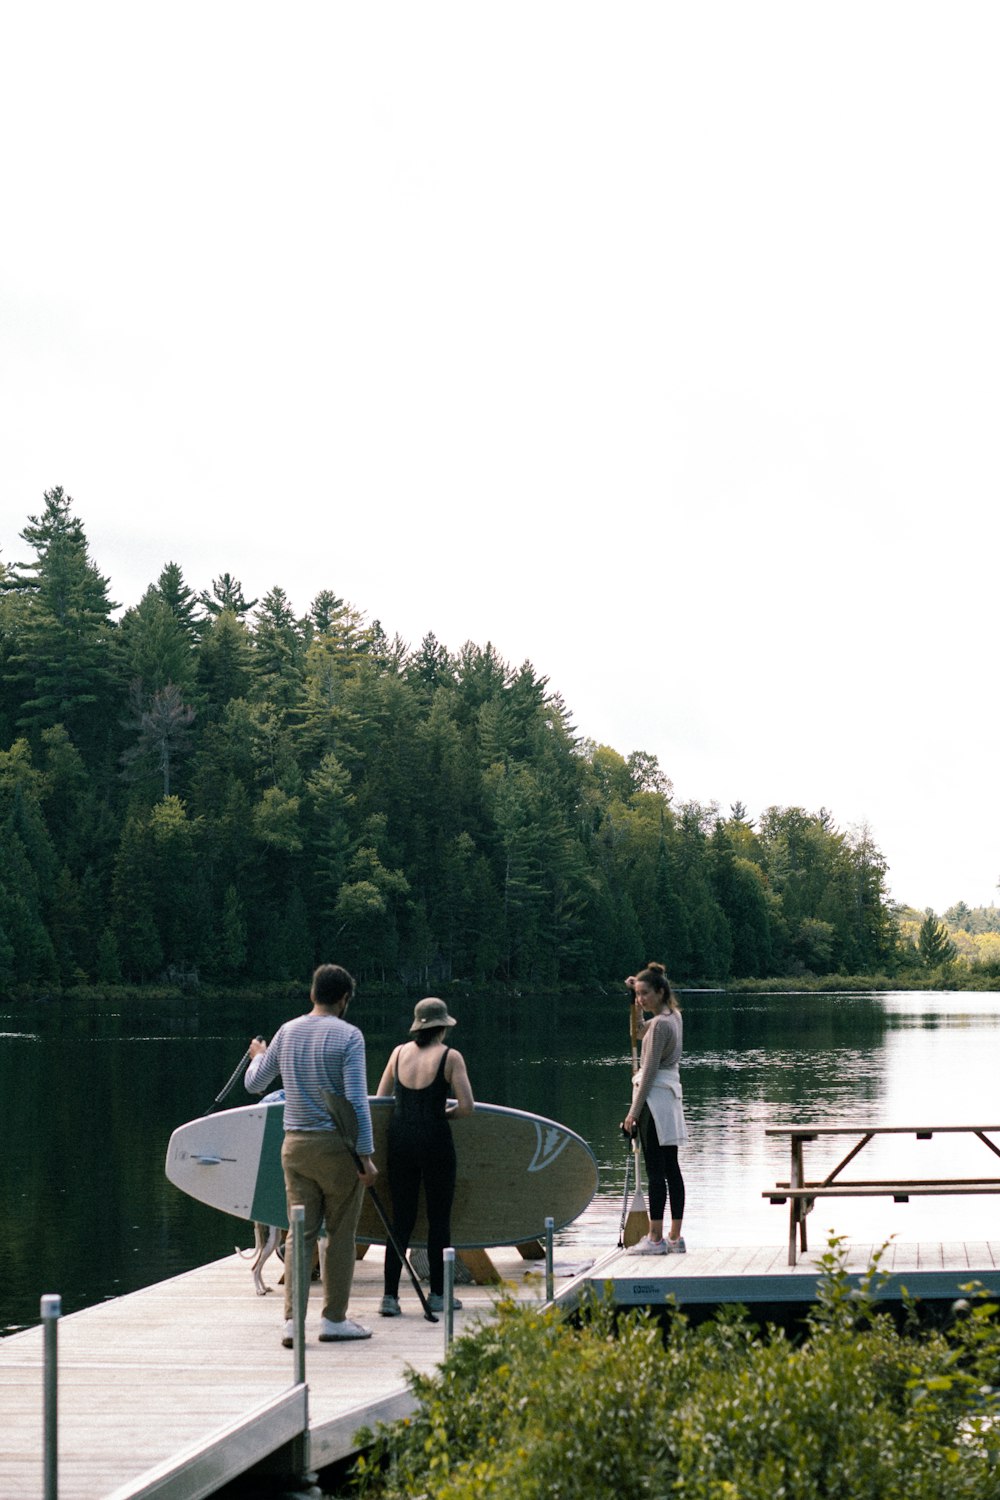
x=968, y=936
x=213, y=786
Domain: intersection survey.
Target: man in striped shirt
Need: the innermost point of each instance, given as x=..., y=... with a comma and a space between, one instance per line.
x=316, y=1052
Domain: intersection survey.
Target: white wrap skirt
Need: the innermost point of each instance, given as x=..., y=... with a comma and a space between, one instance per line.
x=666, y=1105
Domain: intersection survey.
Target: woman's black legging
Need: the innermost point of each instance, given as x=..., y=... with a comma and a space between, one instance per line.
x=410, y=1165
x=663, y=1172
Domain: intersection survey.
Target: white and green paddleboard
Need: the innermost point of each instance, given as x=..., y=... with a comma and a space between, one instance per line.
x=515, y=1170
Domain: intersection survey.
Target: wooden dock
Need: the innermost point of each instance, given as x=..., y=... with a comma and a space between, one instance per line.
x=174, y=1390
x=758, y=1275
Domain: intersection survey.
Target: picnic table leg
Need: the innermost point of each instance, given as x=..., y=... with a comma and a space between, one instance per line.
x=797, y=1218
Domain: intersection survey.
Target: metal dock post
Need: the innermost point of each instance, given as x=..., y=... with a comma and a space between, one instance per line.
x=51, y=1309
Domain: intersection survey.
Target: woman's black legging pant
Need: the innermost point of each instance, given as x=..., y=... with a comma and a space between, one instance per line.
x=663, y=1172
x=407, y=1169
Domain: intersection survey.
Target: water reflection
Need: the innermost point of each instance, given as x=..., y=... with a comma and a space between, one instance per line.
x=90, y=1095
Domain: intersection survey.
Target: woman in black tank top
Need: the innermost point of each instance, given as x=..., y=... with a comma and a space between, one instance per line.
x=420, y=1075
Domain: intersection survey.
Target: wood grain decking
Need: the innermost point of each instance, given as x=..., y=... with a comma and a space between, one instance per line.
x=761, y=1275
x=146, y=1376
x=171, y=1390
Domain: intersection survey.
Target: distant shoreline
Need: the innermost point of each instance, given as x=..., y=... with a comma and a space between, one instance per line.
x=950, y=977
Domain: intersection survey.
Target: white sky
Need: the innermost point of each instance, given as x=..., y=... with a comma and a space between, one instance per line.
x=654, y=342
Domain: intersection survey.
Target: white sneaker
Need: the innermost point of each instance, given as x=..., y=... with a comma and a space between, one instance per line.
x=646, y=1246
x=288, y=1337
x=677, y=1246
x=339, y=1333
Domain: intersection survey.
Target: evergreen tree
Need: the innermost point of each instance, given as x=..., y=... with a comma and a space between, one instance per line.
x=233, y=934
x=28, y=869
x=180, y=600
x=108, y=963
x=325, y=611
x=59, y=663
x=431, y=667
x=933, y=943
x=133, y=922
x=331, y=802
x=72, y=816
x=12, y=612
x=430, y=816
x=224, y=667
x=278, y=652
x=154, y=647
x=69, y=930
x=226, y=597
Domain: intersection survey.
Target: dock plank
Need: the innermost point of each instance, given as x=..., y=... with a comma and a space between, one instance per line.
x=979, y=1253
x=145, y=1377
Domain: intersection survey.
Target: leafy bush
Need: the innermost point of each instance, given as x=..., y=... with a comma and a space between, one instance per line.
x=538, y=1409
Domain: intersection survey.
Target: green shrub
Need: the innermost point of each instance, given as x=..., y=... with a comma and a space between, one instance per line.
x=538, y=1409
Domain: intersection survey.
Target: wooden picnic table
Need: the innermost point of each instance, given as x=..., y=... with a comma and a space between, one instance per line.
x=801, y=1193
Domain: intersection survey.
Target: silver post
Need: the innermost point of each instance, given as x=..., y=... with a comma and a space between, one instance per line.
x=449, y=1298
x=300, y=1290
x=550, y=1225
x=51, y=1309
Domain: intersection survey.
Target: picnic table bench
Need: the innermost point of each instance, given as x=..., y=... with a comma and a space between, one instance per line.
x=801, y=1193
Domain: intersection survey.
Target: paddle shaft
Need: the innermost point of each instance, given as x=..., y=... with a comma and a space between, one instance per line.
x=633, y=1028
x=346, y=1122
x=628, y=1172
x=240, y=1067
x=638, y=1210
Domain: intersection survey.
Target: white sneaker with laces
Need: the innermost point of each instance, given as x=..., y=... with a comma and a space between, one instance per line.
x=646, y=1246
x=677, y=1246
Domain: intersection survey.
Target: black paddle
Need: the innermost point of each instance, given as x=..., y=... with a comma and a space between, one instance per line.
x=628, y=1173
x=346, y=1121
x=637, y=1220
x=240, y=1068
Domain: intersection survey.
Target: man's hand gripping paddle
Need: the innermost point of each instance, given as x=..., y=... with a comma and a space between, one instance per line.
x=240, y=1068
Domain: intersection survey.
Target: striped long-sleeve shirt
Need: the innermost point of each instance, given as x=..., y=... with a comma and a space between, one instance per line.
x=313, y=1053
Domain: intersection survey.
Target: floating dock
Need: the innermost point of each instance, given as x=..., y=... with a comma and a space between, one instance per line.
x=173, y=1391
x=176, y=1389
x=760, y=1277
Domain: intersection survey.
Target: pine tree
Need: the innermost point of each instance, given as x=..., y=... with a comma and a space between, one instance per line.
x=179, y=599
x=154, y=647
x=933, y=943
x=226, y=594
x=225, y=668
x=60, y=663
x=278, y=652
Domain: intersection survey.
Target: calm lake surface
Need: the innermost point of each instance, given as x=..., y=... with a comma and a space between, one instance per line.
x=90, y=1096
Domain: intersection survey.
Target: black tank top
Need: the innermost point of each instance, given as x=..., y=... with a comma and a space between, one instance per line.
x=414, y=1108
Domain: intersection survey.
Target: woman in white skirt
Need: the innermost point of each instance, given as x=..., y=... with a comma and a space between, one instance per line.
x=657, y=1109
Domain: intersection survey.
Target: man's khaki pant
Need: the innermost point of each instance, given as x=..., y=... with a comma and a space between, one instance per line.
x=321, y=1176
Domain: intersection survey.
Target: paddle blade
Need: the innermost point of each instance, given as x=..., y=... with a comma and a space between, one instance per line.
x=343, y=1115
x=637, y=1219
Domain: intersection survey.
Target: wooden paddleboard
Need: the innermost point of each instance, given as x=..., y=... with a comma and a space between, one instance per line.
x=514, y=1171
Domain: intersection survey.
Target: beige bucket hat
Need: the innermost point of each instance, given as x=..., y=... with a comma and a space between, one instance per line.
x=431, y=1012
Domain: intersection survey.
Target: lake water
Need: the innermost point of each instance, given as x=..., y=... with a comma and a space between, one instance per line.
x=89, y=1096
